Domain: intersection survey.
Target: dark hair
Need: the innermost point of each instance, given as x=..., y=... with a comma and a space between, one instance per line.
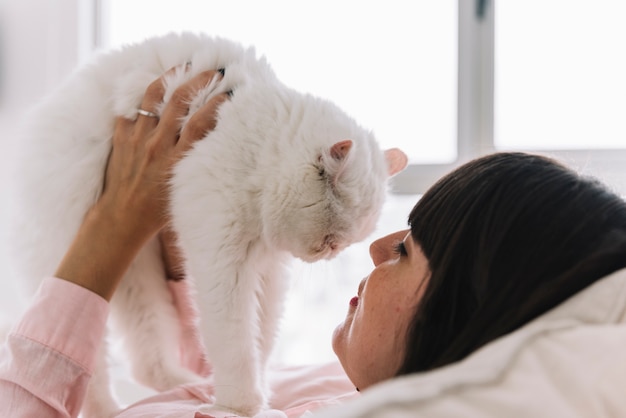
x=507, y=237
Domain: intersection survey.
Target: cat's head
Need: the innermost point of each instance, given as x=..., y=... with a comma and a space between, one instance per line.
x=334, y=187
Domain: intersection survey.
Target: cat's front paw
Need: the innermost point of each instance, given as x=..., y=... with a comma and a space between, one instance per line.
x=238, y=404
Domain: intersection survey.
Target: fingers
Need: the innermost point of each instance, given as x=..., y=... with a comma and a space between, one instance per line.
x=122, y=129
x=153, y=97
x=151, y=100
x=178, y=105
x=163, y=136
x=154, y=94
x=202, y=122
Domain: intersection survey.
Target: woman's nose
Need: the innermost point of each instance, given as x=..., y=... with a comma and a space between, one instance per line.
x=382, y=249
x=377, y=251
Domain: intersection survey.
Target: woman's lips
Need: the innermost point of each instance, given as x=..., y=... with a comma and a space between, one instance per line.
x=354, y=302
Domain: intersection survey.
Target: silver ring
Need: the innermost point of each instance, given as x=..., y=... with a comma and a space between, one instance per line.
x=146, y=113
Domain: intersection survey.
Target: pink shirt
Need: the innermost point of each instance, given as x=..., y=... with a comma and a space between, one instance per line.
x=50, y=355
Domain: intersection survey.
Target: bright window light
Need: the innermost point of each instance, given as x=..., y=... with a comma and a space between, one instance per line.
x=560, y=74
x=391, y=65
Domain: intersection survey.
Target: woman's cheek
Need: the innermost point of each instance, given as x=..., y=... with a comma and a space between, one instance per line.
x=340, y=335
x=336, y=340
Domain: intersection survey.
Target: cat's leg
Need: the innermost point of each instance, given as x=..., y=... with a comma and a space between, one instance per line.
x=227, y=291
x=99, y=399
x=144, y=314
x=275, y=286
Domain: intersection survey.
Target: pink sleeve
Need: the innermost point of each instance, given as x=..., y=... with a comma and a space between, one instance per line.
x=48, y=358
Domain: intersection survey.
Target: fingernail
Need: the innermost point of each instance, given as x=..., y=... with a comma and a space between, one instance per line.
x=222, y=71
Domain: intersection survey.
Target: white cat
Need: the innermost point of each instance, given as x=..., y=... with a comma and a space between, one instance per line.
x=283, y=174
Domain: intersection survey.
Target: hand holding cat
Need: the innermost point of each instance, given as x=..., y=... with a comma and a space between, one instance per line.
x=145, y=150
x=133, y=204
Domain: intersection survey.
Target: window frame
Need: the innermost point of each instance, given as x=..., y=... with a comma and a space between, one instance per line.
x=474, y=98
x=475, y=118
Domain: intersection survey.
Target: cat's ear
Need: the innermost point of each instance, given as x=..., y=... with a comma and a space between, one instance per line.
x=335, y=165
x=340, y=150
x=396, y=161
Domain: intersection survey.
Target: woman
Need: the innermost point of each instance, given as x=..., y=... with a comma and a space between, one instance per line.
x=492, y=246
x=520, y=310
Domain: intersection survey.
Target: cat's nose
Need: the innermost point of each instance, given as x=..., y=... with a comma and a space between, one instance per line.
x=327, y=248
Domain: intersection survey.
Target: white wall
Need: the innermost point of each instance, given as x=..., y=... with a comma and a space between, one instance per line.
x=40, y=46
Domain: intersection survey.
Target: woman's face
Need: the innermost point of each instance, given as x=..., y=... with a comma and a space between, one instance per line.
x=370, y=343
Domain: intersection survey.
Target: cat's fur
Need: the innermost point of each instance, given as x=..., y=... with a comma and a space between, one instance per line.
x=283, y=174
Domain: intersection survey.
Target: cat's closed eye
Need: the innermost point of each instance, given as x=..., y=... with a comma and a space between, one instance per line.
x=321, y=171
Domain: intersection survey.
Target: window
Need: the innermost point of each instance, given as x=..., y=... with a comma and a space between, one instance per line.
x=560, y=74
x=397, y=81
x=560, y=83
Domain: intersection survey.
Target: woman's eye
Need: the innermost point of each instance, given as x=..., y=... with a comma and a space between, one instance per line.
x=400, y=249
